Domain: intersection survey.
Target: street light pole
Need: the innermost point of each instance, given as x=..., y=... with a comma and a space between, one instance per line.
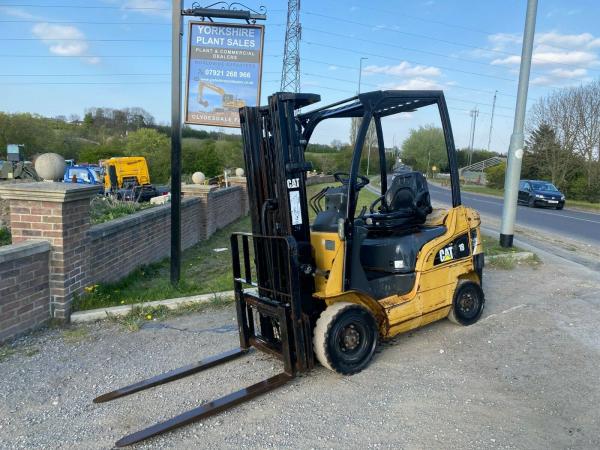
x=360, y=71
x=517, y=139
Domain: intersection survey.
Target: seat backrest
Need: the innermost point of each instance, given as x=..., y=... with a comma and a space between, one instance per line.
x=408, y=191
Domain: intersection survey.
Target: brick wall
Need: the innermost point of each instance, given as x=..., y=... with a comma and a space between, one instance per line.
x=24, y=287
x=118, y=247
x=39, y=282
x=224, y=206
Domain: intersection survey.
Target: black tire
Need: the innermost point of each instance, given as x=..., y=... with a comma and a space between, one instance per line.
x=345, y=338
x=467, y=305
x=560, y=206
x=531, y=202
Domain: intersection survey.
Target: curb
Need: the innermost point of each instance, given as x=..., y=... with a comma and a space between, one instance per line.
x=93, y=315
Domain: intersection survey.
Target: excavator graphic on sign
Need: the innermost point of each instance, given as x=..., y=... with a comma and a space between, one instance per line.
x=229, y=101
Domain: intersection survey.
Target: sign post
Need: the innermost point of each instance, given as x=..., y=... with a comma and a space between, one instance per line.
x=225, y=61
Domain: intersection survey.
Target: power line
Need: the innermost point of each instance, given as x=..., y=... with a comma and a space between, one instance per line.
x=426, y=52
x=450, y=25
x=91, y=75
x=86, y=22
x=29, y=5
x=83, y=74
x=378, y=86
x=506, y=94
x=450, y=69
x=423, y=36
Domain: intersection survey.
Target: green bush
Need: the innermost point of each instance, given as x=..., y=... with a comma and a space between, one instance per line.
x=578, y=189
x=495, y=176
x=5, y=236
x=105, y=209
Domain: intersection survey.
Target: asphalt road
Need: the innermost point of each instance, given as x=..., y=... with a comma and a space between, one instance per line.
x=579, y=225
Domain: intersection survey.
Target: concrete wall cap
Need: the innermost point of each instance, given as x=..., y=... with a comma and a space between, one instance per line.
x=48, y=192
x=198, y=188
x=22, y=250
x=225, y=191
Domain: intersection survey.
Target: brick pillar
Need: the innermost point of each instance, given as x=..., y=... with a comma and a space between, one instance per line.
x=202, y=191
x=242, y=182
x=60, y=214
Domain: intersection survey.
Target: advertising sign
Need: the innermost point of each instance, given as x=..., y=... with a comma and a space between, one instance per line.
x=224, y=72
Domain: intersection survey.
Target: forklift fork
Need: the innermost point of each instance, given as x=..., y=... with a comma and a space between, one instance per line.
x=269, y=319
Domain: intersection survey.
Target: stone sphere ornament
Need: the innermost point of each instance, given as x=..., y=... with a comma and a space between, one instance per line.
x=198, y=178
x=239, y=172
x=50, y=166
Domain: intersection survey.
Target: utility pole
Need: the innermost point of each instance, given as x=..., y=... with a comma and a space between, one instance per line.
x=517, y=139
x=177, y=18
x=290, y=74
x=492, y=121
x=474, y=113
x=369, y=130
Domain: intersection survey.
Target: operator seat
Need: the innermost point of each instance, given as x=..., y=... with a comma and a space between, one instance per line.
x=388, y=242
x=406, y=203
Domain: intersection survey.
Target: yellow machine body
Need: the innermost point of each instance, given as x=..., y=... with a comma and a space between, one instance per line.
x=431, y=296
x=127, y=168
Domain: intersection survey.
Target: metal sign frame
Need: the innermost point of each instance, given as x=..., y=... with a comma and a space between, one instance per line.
x=224, y=10
x=188, y=63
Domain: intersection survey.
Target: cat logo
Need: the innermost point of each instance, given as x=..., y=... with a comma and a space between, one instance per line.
x=293, y=183
x=446, y=254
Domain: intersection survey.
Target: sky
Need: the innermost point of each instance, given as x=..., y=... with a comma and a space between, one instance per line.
x=59, y=57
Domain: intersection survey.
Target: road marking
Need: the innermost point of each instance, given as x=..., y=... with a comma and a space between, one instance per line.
x=569, y=217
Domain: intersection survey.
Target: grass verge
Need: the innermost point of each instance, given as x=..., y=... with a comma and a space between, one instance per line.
x=202, y=271
x=140, y=314
x=503, y=258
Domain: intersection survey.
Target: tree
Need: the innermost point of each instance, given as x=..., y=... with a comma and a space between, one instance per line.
x=545, y=158
x=155, y=147
x=424, y=148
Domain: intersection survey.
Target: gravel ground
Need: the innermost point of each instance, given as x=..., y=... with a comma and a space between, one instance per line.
x=525, y=376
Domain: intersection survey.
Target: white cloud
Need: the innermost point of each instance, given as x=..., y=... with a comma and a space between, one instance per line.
x=566, y=73
x=577, y=41
x=417, y=84
x=404, y=69
x=17, y=12
x=63, y=40
x=558, y=59
x=550, y=58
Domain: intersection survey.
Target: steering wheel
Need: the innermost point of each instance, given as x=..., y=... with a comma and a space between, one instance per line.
x=344, y=178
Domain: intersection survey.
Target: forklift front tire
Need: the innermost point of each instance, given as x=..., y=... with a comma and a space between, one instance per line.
x=345, y=338
x=467, y=304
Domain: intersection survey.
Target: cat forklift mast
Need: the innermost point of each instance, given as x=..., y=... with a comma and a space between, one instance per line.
x=329, y=291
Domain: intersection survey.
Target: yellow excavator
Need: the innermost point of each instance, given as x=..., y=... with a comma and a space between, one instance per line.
x=229, y=101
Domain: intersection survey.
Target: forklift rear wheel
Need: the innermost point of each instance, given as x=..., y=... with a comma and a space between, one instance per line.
x=467, y=305
x=345, y=338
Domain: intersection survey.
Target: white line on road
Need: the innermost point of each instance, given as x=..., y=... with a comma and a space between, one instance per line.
x=568, y=217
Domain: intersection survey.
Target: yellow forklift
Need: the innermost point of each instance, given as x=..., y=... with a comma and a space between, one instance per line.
x=332, y=289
